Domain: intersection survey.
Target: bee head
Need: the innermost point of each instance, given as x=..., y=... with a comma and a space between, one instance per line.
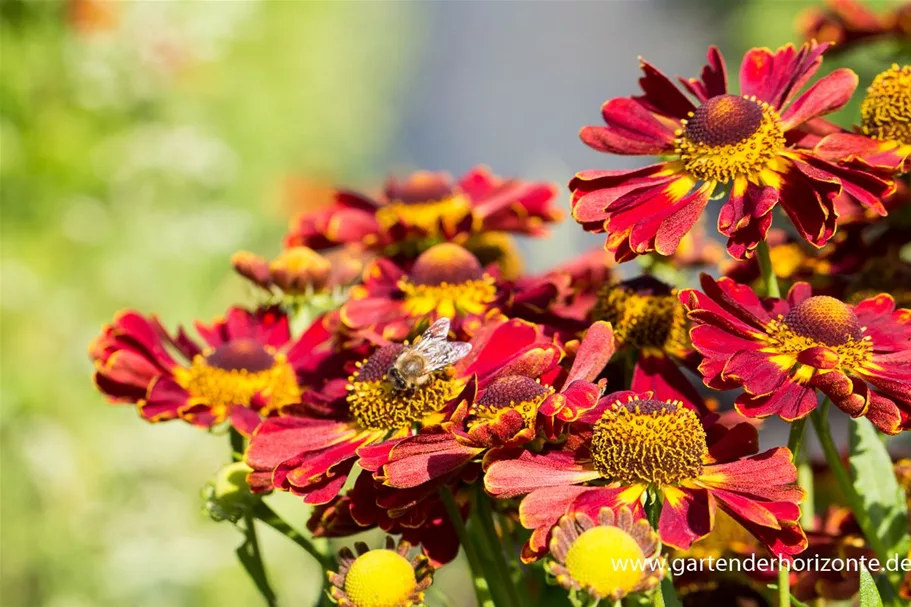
x=396, y=379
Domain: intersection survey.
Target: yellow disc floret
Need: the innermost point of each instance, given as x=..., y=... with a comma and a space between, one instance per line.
x=645, y=314
x=375, y=405
x=235, y=373
x=729, y=137
x=606, y=560
x=649, y=441
x=886, y=110
x=380, y=578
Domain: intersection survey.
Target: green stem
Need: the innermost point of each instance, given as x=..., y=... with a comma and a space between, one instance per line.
x=267, y=515
x=784, y=587
x=238, y=444
x=795, y=438
x=833, y=458
x=769, y=280
x=805, y=480
x=481, y=586
x=251, y=558
x=494, y=549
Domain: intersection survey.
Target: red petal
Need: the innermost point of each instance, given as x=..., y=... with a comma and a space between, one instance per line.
x=827, y=95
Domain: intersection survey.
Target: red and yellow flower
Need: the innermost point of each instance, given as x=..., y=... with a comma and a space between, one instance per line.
x=883, y=137
x=512, y=400
x=650, y=325
x=246, y=370
x=740, y=142
x=632, y=443
x=445, y=281
x=428, y=208
x=312, y=451
x=783, y=351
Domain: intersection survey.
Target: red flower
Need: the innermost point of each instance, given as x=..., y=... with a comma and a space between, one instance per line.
x=514, y=399
x=446, y=281
x=246, y=370
x=848, y=22
x=312, y=451
x=883, y=138
x=429, y=207
x=631, y=442
x=650, y=325
x=782, y=351
x=743, y=143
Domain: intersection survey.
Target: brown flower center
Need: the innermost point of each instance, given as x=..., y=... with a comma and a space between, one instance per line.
x=824, y=319
x=510, y=392
x=729, y=137
x=449, y=280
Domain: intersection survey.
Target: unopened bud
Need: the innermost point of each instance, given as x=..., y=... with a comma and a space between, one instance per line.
x=228, y=495
x=300, y=269
x=252, y=267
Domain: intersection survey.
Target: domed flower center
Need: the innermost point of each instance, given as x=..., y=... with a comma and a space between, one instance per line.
x=448, y=280
x=595, y=561
x=380, y=578
x=427, y=201
x=826, y=320
x=375, y=405
x=820, y=322
x=729, y=137
x=649, y=441
x=237, y=373
x=886, y=110
x=510, y=392
x=645, y=314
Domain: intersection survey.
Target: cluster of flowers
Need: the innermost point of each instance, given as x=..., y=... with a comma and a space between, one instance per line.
x=428, y=381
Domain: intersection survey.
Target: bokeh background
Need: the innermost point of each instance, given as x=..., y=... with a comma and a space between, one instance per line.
x=144, y=142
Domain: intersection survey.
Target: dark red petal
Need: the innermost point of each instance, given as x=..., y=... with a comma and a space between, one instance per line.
x=661, y=94
x=827, y=95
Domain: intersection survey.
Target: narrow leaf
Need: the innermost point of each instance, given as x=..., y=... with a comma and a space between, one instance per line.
x=869, y=595
x=879, y=491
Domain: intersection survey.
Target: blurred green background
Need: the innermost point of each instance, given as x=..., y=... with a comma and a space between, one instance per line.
x=144, y=142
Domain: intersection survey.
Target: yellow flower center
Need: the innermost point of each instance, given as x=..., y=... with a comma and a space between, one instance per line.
x=729, y=137
x=375, y=405
x=518, y=392
x=380, y=578
x=430, y=216
x=649, y=441
x=448, y=280
x=499, y=248
x=603, y=560
x=645, y=314
x=236, y=372
x=821, y=321
x=886, y=110
x=788, y=259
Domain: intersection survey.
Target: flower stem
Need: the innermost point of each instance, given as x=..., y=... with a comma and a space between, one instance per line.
x=481, y=586
x=784, y=587
x=769, y=280
x=484, y=515
x=267, y=515
x=795, y=438
x=251, y=558
x=843, y=478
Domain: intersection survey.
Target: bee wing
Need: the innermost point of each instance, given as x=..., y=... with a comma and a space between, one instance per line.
x=445, y=353
x=438, y=330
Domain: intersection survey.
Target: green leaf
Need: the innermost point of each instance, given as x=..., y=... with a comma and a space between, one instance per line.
x=869, y=595
x=668, y=593
x=878, y=489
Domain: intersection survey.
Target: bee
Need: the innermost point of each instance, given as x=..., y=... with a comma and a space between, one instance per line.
x=431, y=352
